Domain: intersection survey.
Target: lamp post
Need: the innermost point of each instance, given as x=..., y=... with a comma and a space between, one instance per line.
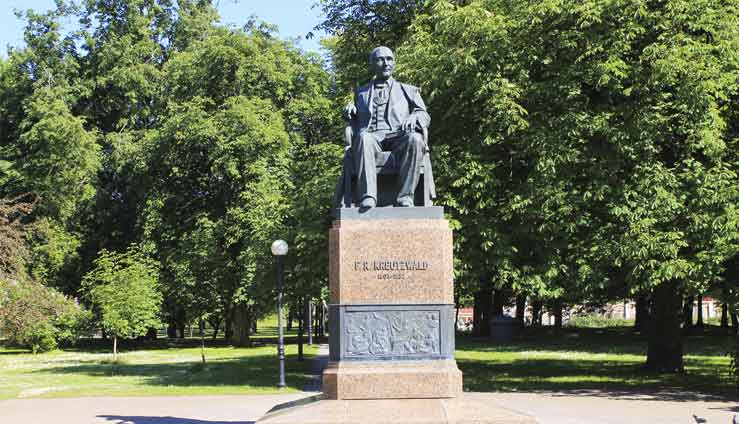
x=279, y=250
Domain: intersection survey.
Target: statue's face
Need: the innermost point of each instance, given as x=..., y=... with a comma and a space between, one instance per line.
x=383, y=63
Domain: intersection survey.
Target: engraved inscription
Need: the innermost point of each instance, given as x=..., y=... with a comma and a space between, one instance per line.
x=392, y=333
x=390, y=269
x=391, y=265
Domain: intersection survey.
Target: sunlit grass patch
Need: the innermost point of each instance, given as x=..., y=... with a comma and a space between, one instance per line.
x=173, y=371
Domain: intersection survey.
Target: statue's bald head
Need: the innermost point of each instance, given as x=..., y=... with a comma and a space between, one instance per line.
x=382, y=62
x=380, y=51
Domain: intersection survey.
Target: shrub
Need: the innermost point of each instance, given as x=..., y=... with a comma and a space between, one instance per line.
x=597, y=321
x=39, y=317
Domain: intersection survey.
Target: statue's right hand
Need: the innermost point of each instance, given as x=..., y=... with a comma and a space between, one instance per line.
x=350, y=111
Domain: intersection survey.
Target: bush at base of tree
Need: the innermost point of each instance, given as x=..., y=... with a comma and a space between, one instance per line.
x=597, y=321
x=39, y=317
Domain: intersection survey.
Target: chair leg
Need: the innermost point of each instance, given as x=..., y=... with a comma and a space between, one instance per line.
x=426, y=189
x=347, y=190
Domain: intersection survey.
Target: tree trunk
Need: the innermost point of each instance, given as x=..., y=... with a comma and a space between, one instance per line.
x=688, y=314
x=319, y=320
x=536, y=307
x=201, y=326
x=290, y=316
x=724, y=316
x=301, y=325
x=172, y=329
x=641, y=320
x=734, y=322
x=254, y=327
x=486, y=305
x=181, y=328
x=216, y=324
x=699, y=322
x=151, y=334
x=521, y=311
x=115, y=348
x=228, y=325
x=323, y=319
x=557, y=312
x=241, y=323
x=476, y=314
x=499, y=301
x=665, y=346
x=309, y=320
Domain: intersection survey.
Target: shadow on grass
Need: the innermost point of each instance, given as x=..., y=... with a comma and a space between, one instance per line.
x=121, y=419
x=106, y=346
x=599, y=363
x=259, y=371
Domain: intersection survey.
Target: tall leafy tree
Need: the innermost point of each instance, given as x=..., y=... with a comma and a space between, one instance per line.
x=583, y=140
x=241, y=106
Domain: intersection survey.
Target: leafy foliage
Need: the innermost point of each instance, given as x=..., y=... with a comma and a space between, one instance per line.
x=357, y=27
x=585, y=150
x=149, y=123
x=39, y=317
x=122, y=288
x=13, y=249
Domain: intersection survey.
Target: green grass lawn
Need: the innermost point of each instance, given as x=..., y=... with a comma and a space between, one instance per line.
x=161, y=368
x=587, y=359
x=577, y=359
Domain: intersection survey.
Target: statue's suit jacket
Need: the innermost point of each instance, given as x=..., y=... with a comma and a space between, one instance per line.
x=405, y=100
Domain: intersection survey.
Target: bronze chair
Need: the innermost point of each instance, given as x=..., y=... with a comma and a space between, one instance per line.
x=344, y=196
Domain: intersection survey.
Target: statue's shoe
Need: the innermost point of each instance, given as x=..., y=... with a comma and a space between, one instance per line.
x=367, y=203
x=405, y=203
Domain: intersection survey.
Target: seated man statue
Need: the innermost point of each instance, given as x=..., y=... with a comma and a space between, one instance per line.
x=388, y=116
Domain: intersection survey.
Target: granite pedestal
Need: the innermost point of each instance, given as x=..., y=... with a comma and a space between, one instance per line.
x=391, y=325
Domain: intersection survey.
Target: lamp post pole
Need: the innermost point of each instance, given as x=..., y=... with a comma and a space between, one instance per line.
x=279, y=250
x=309, y=319
x=280, y=336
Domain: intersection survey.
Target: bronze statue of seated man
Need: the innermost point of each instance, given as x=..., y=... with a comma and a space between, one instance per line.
x=387, y=116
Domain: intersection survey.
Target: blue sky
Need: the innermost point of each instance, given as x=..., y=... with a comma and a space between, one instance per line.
x=295, y=18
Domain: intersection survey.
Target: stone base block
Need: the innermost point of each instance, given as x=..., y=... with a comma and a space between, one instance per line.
x=391, y=261
x=392, y=379
x=466, y=409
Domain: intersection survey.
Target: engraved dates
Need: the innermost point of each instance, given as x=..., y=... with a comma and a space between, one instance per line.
x=375, y=334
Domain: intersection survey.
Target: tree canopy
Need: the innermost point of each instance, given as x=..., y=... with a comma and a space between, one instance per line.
x=585, y=151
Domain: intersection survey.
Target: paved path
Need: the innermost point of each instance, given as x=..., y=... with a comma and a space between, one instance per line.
x=619, y=408
x=548, y=408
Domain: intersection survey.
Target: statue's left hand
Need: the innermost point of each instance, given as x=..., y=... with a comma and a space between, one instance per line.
x=410, y=124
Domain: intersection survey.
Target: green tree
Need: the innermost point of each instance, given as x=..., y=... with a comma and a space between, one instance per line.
x=123, y=290
x=584, y=138
x=357, y=27
x=242, y=105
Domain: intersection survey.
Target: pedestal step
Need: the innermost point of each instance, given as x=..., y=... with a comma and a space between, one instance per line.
x=466, y=409
x=392, y=379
